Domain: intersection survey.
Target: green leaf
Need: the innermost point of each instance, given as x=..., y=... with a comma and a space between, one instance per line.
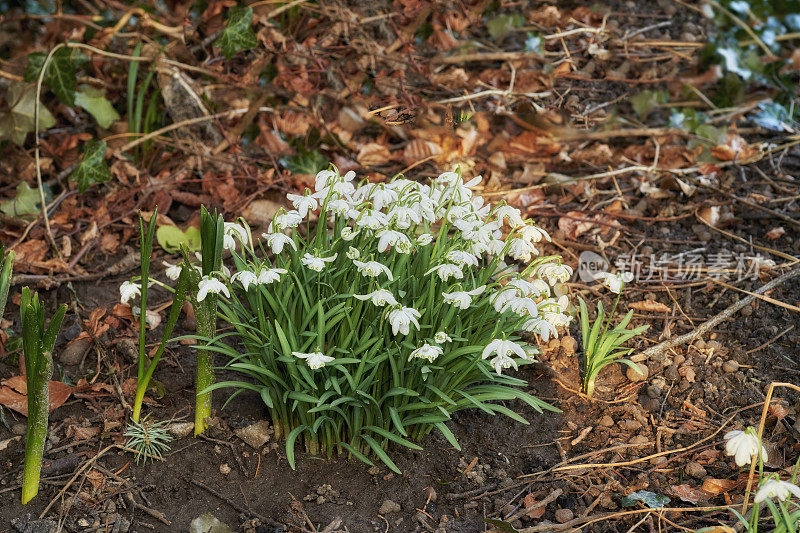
x=305, y=162
x=92, y=168
x=94, y=101
x=646, y=101
x=650, y=499
x=502, y=25
x=170, y=238
x=501, y=525
x=61, y=74
x=26, y=202
x=238, y=33
x=18, y=122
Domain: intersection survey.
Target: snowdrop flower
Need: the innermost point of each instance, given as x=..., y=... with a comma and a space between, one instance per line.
x=369, y=218
x=744, y=446
x=382, y=196
x=353, y=253
x=401, y=319
x=373, y=269
x=441, y=337
x=775, y=488
x=502, y=298
x=511, y=213
x=504, y=348
x=447, y=271
x=541, y=326
x=314, y=360
x=521, y=250
x=290, y=219
x=462, y=258
x=340, y=206
x=232, y=229
x=210, y=285
x=389, y=237
x=128, y=291
x=462, y=299
x=324, y=179
x=270, y=275
x=532, y=233
x=424, y=239
x=316, y=263
x=614, y=282
x=173, y=272
x=276, y=242
x=554, y=272
x=523, y=307
x=427, y=352
x=502, y=362
x=348, y=234
x=303, y=204
x=403, y=216
x=557, y=319
x=380, y=297
x=246, y=278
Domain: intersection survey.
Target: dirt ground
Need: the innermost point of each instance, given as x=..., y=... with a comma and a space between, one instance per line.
x=562, y=472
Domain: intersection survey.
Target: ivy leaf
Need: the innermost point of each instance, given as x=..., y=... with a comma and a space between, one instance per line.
x=92, y=168
x=26, y=203
x=170, y=238
x=94, y=101
x=18, y=122
x=305, y=162
x=61, y=75
x=650, y=499
x=238, y=34
x=646, y=101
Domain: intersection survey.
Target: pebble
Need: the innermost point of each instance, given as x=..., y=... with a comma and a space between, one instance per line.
x=224, y=469
x=388, y=507
x=695, y=470
x=678, y=359
x=687, y=372
x=653, y=392
x=181, y=429
x=637, y=375
x=75, y=351
x=655, y=461
x=629, y=425
x=730, y=366
x=19, y=428
x=564, y=515
x=606, y=421
x=671, y=372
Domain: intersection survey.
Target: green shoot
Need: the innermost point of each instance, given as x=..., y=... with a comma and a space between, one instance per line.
x=37, y=343
x=6, y=265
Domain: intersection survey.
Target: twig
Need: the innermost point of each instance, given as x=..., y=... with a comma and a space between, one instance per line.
x=158, y=515
x=724, y=315
x=86, y=465
x=491, y=92
x=492, y=56
x=525, y=510
x=238, y=508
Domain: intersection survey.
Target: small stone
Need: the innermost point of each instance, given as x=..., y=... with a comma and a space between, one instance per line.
x=695, y=470
x=730, y=366
x=640, y=439
x=181, y=429
x=430, y=494
x=687, y=373
x=75, y=351
x=564, y=515
x=569, y=344
x=637, y=375
x=224, y=469
x=671, y=372
x=19, y=428
x=630, y=425
x=653, y=392
x=655, y=461
x=606, y=421
x=256, y=435
x=374, y=471
x=388, y=507
x=83, y=522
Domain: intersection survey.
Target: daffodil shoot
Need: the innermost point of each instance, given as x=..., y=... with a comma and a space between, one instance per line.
x=371, y=312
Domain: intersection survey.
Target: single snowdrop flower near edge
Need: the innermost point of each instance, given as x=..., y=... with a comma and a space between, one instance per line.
x=744, y=446
x=775, y=488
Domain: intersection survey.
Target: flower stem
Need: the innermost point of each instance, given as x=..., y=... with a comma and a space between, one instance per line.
x=38, y=403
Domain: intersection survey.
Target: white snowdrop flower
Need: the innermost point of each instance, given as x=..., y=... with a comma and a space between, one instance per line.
x=316, y=263
x=290, y=219
x=427, y=352
x=557, y=319
x=314, y=360
x=403, y=216
x=424, y=239
x=324, y=179
x=521, y=250
x=510, y=215
x=554, y=272
x=276, y=242
x=425, y=207
x=775, y=488
x=233, y=231
x=401, y=319
x=348, y=234
x=523, y=307
x=462, y=258
x=210, y=285
x=496, y=247
x=379, y=298
x=246, y=278
x=501, y=299
x=403, y=246
x=128, y=291
x=373, y=269
x=459, y=212
x=370, y=218
x=353, y=253
x=382, y=196
x=340, y=206
x=173, y=272
x=743, y=446
x=503, y=347
x=462, y=299
x=615, y=282
x=541, y=326
x=390, y=237
x=532, y=233
x=552, y=305
x=447, y=271
x=270, y=275
x=502, y=362
x=303, y=203
x=441, y=337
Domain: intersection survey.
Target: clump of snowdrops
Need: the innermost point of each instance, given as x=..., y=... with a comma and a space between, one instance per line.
x=371, y=312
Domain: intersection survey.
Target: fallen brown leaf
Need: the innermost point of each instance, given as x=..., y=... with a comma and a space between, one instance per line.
x=690, y=494
x=651, y=306
x=14, y=394
x=718, y=486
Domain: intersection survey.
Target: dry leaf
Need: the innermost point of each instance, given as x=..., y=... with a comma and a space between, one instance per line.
x=778, y=411
x=14, y=394
x=710, y=215
x=528, y=502
x=718, y=486
x=651, y=306
x=690, y=494
x=373, y=154
x=735, y=148
x=419, y=150
x=775, y=233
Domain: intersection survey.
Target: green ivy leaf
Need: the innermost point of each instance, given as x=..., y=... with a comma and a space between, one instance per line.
x=305, y=162
x=170, y=238
x=646, y=101
x=18, y=122
x=650, y=499
x=26, y=203
x=61, y=74
x=92, y=168
x=238, y=34
x=94, y=101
